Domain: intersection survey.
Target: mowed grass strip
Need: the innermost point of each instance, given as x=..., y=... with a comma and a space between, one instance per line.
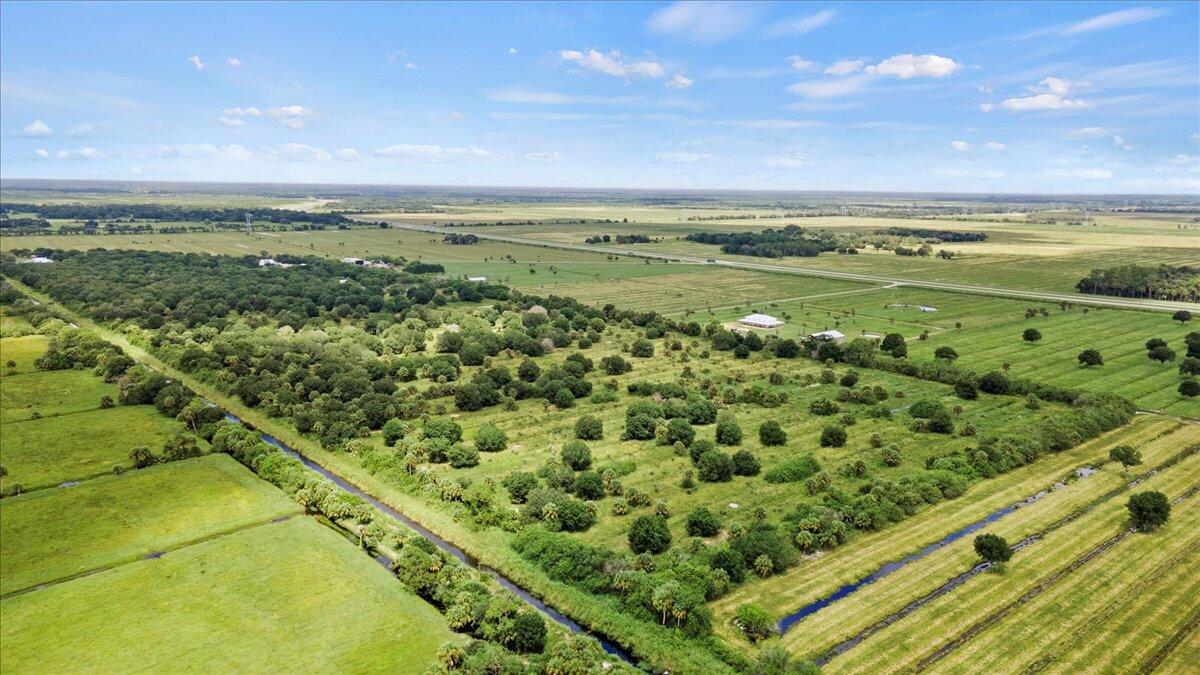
x=58, y=392
x=905, y=643
x=281, y=597
x=21, y=351
x=1109, y=617
x=49, y=451
x=53, y=534
x=818, y=576
x=847, y=617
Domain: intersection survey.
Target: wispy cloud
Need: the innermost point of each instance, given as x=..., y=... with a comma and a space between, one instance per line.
x=1111, y=20
x=791, y=160
x=845, y=67
x=83, y=130
x=801, y=25
x=194, y=59
x=1088, y=132
x=613, y=63
x=680, y=157
x=432, y=153
x=801, y=64
x=85, y=153
x=830, y=88
x=704, y=22
x=961, y=146
x=518, y=95
x=680, y=81
x=233, y=151
x=233, y=62
x=348, y=155
x=300, y=152
x=544, y=156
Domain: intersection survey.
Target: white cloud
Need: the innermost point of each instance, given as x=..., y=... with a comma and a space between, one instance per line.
x=194, y=59
x=289, y=116
x=679, y=81
x=801, y=25
x=792, y=160
x=512, y=50
x=845, y=67
x=801, y=64
x=828, y=88
x=432, y=153
x=36, y=129
x=83, y=130
x=960, y=145
x=231, y=121
x=241, y=112
x=41, y=153
x=680, y=157
x=1049, y=94
x=995, y=145
x=395, y=55
x=907, y=66
x=1088, y=132
x=545, y=156
x=706, y=22
x=411, y=66
x=456, y=117
x=1044, y=102
x=613, y=63
x=1119, y=142
x=1110, y=20
x=1079, y=174
x=348, y=154
x=233, y=151
x=299, y=152
x=233, y=62
x=81, y=153
x=986, y=107
x=1055, y=85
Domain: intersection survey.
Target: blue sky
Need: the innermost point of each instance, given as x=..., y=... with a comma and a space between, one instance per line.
x=979, y=97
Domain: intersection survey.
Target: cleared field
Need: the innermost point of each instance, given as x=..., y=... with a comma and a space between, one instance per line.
x=21, y=351
x=52, y=393
x=53, y=534
x=699, y=288
x=283, y=597
x=48, y=451
x=819, y=576
x=991, y=336
x=875, y=602
x=1055, y=561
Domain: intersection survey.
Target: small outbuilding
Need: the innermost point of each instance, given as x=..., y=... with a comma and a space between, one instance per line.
x=760, y=321
x=830, y=335
x=478, y=280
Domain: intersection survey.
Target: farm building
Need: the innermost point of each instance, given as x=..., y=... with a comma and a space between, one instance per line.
x=833, y=335
x=760, y=321
x=478, y=280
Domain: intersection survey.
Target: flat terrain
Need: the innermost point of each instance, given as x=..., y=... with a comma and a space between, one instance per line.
x=270, y=598
x=51, y=393
x=53, y=534
x=48, y=451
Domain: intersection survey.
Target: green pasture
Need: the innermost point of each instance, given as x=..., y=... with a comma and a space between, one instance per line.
x=21, y=351
x=53, y=534
x=51, y=393
x=279, y=597
x=48, y=451
x=987, y=333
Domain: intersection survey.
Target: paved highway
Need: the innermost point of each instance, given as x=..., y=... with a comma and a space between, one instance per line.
x=1043, y=296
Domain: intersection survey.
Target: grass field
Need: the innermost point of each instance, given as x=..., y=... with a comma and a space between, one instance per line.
x=991, y=336
x=280, y=597
x=52, y=393
x=48, y=451
x=819, y=576
x=21, y=351
x=890, y=594
x=53, y=534
x=1056, y=562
